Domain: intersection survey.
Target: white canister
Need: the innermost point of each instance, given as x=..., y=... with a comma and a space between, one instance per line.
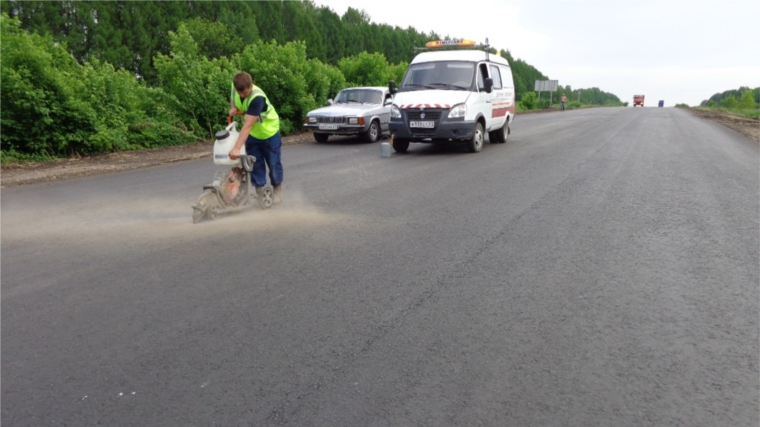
x=225, y=141
x=385, y=149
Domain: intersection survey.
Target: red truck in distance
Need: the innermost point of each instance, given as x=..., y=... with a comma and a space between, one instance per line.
x=638, y=100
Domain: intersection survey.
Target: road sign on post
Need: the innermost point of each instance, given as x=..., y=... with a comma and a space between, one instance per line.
x=546, y=86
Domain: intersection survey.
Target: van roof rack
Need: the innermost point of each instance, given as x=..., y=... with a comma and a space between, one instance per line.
x=453, y=44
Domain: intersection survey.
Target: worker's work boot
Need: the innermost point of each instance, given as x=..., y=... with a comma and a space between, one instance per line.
x=259, y=191
x=277, y=194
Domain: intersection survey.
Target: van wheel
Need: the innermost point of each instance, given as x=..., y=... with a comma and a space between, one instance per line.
x=400, y=145
x=504, y=134
x=373, y=133
x=475, y=144
x=499, y=136
x=321, y=137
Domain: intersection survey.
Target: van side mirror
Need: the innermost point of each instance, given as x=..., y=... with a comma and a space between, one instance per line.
x=392, y=87
x=488, y=82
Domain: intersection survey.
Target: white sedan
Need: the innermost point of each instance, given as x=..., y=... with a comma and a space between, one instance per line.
x=361, y=111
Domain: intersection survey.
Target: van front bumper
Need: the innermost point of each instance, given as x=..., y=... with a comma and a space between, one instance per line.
x=444, y=130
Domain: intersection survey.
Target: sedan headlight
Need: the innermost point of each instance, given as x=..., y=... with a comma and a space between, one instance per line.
x=457, y=111
x=395, y=112
x=356, y=120
x=311, y=119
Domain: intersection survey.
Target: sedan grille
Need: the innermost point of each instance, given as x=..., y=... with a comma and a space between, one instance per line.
x=331, y=119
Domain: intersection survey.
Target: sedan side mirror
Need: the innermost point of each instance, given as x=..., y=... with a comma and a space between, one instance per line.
x=392, y=87
x=330, y=101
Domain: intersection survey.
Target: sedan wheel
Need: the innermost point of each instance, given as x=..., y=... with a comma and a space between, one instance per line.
x=373, y=133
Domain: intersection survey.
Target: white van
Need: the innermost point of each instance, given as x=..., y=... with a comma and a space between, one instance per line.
x=454, y=95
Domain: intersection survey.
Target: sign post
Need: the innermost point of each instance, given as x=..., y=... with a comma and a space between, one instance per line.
x=546, y=86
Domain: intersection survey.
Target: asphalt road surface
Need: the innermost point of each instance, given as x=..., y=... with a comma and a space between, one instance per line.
x=601, y=268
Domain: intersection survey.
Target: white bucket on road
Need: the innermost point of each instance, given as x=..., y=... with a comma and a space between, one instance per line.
x=385, y=148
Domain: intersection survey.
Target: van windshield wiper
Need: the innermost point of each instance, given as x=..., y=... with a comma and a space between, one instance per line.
x=448, y=85
x=422, y=86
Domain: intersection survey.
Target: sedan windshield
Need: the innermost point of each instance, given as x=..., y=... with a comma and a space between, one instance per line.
x=362, y=96
x=453, y=75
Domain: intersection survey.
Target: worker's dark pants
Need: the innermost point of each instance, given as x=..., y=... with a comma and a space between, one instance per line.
x=268, y=155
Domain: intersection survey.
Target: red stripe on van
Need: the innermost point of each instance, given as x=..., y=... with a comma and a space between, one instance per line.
x=501, y=112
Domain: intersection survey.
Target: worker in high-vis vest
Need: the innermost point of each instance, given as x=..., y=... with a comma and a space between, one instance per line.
x=260, y=133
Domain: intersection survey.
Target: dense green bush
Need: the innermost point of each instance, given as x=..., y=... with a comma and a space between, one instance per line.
x=199, y=87
x=729, y=102
x=279, y=71
x=366, y=69
x=747, y=101
x=529, y=101
x=53, y=106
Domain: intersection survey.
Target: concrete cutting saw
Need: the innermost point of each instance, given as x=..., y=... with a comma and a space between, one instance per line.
x=231, y=191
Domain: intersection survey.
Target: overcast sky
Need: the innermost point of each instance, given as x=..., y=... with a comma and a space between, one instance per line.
x=678, y=51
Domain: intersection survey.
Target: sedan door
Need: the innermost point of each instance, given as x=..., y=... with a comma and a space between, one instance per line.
x=385, y=114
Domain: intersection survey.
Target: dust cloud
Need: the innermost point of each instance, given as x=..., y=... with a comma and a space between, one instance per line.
x=156, y=219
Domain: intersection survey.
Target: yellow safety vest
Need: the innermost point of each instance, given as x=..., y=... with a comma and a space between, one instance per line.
x=269, y=121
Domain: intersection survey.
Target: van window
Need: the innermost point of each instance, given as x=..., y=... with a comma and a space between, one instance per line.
x=482, y=74
x=452, y=75
x=496, y=76
x=506, y=77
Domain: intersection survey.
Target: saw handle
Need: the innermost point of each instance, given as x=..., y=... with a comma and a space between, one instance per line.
x=239, y=113
x=247, y=162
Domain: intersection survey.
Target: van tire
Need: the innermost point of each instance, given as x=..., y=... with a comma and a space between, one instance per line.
x=500, y=136
x=504, y=134
x=321, y=137
x=400, y=145
x=475, y=144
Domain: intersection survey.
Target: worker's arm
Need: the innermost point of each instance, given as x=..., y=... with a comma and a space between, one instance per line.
x=251, y=117
x=233, y=109
x=244, y=132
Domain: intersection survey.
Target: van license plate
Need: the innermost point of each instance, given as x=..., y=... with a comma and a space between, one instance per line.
x=424, y=125
x=328, y=127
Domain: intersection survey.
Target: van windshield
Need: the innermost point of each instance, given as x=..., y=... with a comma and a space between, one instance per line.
x=449, y=75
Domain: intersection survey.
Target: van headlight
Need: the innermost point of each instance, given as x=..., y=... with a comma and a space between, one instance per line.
x=457, y=111
x=395, y=112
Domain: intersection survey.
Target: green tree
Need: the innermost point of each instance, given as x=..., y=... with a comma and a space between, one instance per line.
x=729, y=102
x=747, y=101
x=279, y=70
x=366, y=69
x=214, y=40
x=200, y=87
x=529, y=101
